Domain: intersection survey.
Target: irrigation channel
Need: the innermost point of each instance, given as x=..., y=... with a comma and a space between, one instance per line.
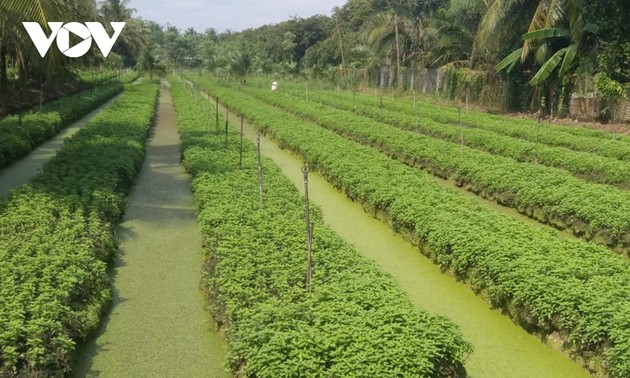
x=23, y=170
x=501, y=349
x=158, y=326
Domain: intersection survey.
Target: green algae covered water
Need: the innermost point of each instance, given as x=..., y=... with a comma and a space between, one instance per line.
x=158, y=326
x=502, y=349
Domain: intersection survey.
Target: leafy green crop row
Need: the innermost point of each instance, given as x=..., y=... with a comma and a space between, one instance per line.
x=592, y=211
x=449, y=114
x=19, y=135
x=583, y=165
x=353, y=322
x=577, y=290
x=57, y=236
x=550, y=135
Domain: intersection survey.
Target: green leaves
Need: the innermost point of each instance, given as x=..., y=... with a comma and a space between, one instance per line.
x=57, y=238
x=548, y=67
x=20, y=135
x=550, y=195
x=509, y=61
x=354, y=322
x=546, y=33
x=547, y=283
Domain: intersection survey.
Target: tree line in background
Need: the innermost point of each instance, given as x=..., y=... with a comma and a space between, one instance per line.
x=541, y=50
x=21, y=63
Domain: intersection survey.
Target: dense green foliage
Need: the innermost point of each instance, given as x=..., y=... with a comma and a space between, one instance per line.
x=353, y=322
x=577, y=290
x=547, y=194
x=504, y=53
x=445, y=124
x=57, y=236
x=18, y=54
x=20, y=134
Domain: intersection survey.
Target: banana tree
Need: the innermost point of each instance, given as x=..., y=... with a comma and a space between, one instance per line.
x=555, y=23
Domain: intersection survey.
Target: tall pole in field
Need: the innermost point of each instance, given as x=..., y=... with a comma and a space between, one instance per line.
x=227, y=114
x=260, y=172
x=415, y=109
x=240, y=157
x=209, y=114
x=217, y=116
x=309, y=230
x=537, y=135
x=461, y=130
x=381, y=106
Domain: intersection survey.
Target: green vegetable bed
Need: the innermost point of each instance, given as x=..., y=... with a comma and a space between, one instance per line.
x=19, y=135
x=354, y=321
x=584, y=165
x=591, y=211
x=576, y=291
x=57, y=237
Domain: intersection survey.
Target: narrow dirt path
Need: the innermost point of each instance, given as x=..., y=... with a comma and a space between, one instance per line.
x=158, y=326
x=502, y=349
x=23, y=170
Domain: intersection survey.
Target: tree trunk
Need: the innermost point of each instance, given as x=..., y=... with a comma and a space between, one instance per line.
x=343, y=59
x=3, y=66
x=398, y=72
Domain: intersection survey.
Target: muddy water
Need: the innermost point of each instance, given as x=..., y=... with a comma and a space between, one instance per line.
x=502, y=349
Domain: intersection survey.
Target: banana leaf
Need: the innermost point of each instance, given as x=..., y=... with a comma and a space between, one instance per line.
x=548, y=67
x=509, y=61
x=546, y=33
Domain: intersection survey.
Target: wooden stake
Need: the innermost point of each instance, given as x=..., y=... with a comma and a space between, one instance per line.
x=240, y=158
x=309, y=230
x=227, y=114
x=217, y=116
x=461, y=130
x=415, y=109
x=537, y=135
x=260, y=172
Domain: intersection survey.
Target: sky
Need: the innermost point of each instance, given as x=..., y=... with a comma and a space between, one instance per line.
x=235, y=15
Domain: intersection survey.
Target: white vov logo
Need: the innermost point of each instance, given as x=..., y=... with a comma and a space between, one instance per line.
x=89, y=31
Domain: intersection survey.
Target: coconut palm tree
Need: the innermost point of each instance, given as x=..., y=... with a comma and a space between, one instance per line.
x=148, y=64
x=132, y=41
x=15, y=40
x=400, y=35
x=116, y=10
x=383, y=34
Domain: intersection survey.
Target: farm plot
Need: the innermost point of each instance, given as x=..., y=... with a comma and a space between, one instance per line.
x=352, y=321
x=573, y=290
x=57, y=239
x=20, y=134
x=572, y=138
x=549, y=195
x=587, y=166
